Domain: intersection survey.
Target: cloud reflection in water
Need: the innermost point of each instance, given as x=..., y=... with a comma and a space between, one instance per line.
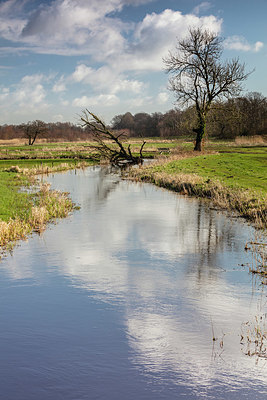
x=169, y=262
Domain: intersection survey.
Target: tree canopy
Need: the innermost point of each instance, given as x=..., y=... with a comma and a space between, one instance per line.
x=199, y=76
x=33, y=129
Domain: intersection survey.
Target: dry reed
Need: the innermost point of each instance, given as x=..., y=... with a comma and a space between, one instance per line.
x=246, y=203
x=50, y=204
x=45, y=169
x=254, y=337
x=250, y=140
x=12, y=231
x=258, y=249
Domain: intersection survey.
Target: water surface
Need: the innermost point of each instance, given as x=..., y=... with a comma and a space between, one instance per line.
x=122, y=299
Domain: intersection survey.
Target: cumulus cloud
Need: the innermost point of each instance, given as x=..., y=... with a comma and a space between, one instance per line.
x=4, y=94
x=59, y=86
x=104, y=78
x=26, y=98
x=105, y=100
x=202, y=7
x=11, y=20
x=29, y=91
x=58, y=118
x=79, y=27
x=239, y=43
x=116, y=55
x=258, y=46
x=64, y=27
x=162, y=97
x=157, y=34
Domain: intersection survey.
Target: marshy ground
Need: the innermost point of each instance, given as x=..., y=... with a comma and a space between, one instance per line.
x=231, y=174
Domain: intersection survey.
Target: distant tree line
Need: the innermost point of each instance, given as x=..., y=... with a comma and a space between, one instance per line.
x=240, y=116
x=58, y=131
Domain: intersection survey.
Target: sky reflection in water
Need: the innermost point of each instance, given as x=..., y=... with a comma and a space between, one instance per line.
x=120, y=299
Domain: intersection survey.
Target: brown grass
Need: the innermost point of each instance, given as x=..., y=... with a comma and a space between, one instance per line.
x=250, y=140
x=50, y=204
x=254, y=337
x=12, y=231
x=44, y=169
x=258, y=249
x=246, y=203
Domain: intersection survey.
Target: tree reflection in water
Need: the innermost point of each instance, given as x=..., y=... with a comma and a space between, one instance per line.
x=168, y=265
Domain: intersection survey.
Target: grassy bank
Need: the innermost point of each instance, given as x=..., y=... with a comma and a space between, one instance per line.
x=232, y=175
x=24, y=211
x=232, y=181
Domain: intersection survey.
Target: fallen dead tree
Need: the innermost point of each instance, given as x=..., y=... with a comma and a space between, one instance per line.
x=109, y=145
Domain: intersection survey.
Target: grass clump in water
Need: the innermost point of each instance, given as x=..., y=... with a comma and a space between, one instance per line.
x=24, y=212
x=232, y=181
x=254, y=338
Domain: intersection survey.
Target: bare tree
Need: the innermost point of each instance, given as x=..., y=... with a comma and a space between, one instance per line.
x=109, y=145
x=33, y=129
x=199, y=76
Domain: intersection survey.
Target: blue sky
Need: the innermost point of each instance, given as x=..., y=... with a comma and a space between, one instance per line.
x=62, y=56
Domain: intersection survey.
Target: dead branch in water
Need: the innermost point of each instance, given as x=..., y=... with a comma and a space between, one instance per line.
x=117, y=154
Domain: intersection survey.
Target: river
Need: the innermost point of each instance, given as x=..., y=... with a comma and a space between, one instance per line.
x=141, y=294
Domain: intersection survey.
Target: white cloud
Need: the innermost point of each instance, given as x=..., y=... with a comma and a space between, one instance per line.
x=106, y=78
x=30, y=91
x=202, y=7
x=58, y=118
x=11, y=22
x=258, y=46
x=4, y=94
x=75, y=27
x=26, y=98
x=59, y=86
x=105, y=100
x=81, y=73
x=157, y=34
x=239, y=43
x=162, y=97
x=116, y=54
x=138, y=102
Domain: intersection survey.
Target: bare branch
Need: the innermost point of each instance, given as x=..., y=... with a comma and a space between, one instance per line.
x=198, y=75
x=114, y=152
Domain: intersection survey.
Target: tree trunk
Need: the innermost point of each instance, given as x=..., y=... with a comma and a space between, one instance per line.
x=33, y=139
x=117, y=154
x=198, y=143
x=200, y=131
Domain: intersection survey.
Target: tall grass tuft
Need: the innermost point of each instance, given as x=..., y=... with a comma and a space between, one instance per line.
x=45, y=169
x=49, y=205
x=250, y=140
x=254, y=337
x=12, y=231
x=38, y=218
x=246, y=203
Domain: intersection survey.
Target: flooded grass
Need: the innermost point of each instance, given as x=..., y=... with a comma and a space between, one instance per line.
x=48, y=206
x=44, y=168
x=12, y=231
x=22, y=212
x=253, y=338
x=234, y=182
x=258, y=249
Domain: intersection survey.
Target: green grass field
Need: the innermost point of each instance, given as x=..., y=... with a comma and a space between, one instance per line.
x=33, y=163
x=235, y=166
x=14, y=202
x=246, y=171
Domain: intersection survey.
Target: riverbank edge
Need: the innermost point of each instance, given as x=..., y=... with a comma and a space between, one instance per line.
x=46, y=206
x=245, y=203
